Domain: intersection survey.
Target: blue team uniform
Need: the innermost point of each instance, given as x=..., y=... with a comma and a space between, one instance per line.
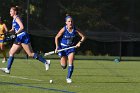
x=67, y=40
x=22, y=37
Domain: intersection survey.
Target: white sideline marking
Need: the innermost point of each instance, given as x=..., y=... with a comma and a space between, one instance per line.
x=21, y=78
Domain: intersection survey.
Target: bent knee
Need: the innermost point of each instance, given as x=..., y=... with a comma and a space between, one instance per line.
x=11, y=53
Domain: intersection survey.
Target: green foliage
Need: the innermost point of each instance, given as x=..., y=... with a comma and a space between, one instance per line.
x=102, y=15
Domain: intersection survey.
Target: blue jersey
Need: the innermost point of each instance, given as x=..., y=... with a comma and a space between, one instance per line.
x=22, y=37
x=15, y=25
x=68, y=37
x=66, y=41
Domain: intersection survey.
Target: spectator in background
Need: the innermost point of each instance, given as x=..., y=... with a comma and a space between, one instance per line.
x=3, y=30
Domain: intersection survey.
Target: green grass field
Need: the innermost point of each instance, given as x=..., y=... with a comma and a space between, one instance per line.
x=90, y=76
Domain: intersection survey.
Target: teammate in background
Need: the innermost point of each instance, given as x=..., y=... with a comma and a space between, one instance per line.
x=22, y=40
x=67, y=36
x=3, y=30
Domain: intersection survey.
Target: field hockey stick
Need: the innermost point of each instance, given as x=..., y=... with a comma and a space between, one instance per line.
x=53, y=52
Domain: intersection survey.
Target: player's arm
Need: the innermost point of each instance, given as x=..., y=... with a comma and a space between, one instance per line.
x=57, y=37
x=82, y=38
x=5, y=30
x=20, y=25
x=11, y=30
x=5, y=27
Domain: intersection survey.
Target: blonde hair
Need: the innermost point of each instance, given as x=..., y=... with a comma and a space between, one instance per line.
x=15, y=8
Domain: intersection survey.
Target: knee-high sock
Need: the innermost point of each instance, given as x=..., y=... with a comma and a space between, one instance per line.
x=39, y=57
x=70, y=71
x=10, y=62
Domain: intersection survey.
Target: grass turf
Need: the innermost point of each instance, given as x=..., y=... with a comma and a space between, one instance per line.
x=90, y=76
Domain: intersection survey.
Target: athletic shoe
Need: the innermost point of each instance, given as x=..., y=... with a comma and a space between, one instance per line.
x=5, y=70
x=69, y=80
x=47, y=64
x=4, y=60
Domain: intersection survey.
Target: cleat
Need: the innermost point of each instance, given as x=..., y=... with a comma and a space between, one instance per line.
x=68, y=80
x=5, y=70
x=47, y=64
x=4, y=60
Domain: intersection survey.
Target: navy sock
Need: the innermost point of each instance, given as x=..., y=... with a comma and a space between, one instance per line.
x=70, y=71
x=39, y=57
x=10, y=62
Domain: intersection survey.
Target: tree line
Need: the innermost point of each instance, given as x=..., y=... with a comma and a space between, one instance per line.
x=99, y=15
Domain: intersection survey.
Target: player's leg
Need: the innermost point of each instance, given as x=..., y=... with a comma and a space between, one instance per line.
x=12, y=52
x=3, y=52
x=63, y=56
x=14, y=48
x=70, y=67
x=29, y=51
x=63, y=62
